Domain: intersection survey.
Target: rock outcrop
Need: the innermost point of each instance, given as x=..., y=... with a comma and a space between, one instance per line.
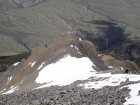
x=121, y=64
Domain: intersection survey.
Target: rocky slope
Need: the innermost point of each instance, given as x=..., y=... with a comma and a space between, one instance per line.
x=70, y=72
x=69, y=95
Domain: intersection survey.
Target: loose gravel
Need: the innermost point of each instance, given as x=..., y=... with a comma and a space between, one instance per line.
x=69, y=95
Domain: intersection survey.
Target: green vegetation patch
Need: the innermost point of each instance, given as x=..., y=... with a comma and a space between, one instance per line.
x=13, y=59
x=6, y=61
x=113, y=54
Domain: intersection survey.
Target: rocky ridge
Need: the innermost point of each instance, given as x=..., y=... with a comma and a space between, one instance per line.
x=104, y=85
x=68, y=44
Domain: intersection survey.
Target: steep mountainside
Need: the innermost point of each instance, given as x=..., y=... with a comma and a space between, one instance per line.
x=24, y=24
x=70, y=71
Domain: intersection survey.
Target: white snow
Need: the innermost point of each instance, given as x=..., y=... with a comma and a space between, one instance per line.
x=121, y=68
x=99, y=55
x=15, y=64
x=80, y=39
x=11, y=87
x=134, y=98
x=77, y=49
x=110, y=80
x=110, y=67
x=9, y=78
x=41, y=66
x=11, y=90
x=94, y=65
x=65, y=71
x=69, y=69
x=71, y=45
x=22, y=80
x=2, y=90
x=32, y=63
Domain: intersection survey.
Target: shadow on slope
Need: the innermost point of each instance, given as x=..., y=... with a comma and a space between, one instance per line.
x=111, y=34
x=114, y=39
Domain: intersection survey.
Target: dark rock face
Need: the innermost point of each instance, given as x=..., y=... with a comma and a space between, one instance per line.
x=114, y=38
x=138, y=92
x=3, y=67
x=133, y=52
x=111, y=34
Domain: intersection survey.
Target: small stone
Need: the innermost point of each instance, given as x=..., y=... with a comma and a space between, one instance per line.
x=123, y=100
x=51, y=99
x=112, y=101
x=108, y=104
x=123, y=97
x=138, y=92
x=109, y=96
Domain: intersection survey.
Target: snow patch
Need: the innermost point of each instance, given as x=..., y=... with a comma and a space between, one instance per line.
x=2, y=91
x=134, y=97
x=69, y=69
x=22, y=80
x=11, y=90
x=41, y=66
x=71, y=45
x=77, y=49
x=99, y=55
x=121, y=68
x=80, y=39
x=9, y=78
x=65, y=71
x=108, y=79
x=94, y=65
x=11, y=87
x=15, y=64
x=32, y=63
x=110, y=67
